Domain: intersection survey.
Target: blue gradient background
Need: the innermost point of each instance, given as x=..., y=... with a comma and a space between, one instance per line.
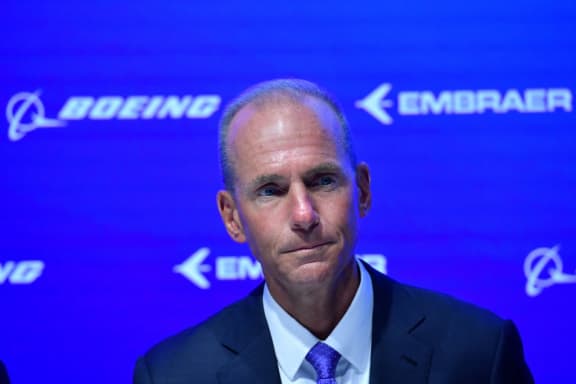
x=111, y=206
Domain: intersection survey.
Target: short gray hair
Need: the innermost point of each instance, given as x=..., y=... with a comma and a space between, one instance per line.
x=268, y=92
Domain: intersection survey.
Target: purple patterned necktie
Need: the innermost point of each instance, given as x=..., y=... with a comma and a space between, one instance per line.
x=324, y=360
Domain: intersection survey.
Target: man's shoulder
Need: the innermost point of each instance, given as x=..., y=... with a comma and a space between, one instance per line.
x=469, y=343
x=438, y=306
x=433, y=305
x=452, y=326
x=433, y=317
x=204, y=344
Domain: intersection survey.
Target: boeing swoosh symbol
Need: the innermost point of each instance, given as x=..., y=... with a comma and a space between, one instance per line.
x=16, y=109
x=543, y=268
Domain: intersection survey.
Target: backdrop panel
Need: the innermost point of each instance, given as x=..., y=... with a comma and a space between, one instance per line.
x=110, y=238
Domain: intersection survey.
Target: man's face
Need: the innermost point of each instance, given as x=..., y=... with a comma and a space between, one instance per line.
x=297, y=197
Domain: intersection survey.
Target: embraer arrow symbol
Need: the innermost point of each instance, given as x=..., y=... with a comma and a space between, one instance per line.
x=192, y=268
x=375, y=103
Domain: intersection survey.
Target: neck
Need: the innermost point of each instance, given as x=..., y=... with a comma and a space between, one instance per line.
x=320, y=308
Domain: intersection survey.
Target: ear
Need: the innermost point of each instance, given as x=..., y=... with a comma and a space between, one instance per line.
x=230, y=217
x=363, y=184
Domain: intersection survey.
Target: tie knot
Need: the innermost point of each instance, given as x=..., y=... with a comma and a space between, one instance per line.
x=324, y=360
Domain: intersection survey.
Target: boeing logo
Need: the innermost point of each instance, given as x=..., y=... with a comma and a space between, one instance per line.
x=21, y=272
x=26, y=104
x=543, y=268
x=240, y=267
x=464, y=101
x=25, y=111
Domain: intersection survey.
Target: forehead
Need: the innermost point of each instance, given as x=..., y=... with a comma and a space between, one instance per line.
x=282, y=123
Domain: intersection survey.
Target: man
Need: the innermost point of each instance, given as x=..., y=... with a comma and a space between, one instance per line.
x=295, y=193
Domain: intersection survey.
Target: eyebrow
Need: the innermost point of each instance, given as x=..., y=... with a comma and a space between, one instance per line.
x=272, y=178
x=322, y=169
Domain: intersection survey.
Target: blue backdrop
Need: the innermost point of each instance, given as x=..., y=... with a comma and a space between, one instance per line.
x=110, y=238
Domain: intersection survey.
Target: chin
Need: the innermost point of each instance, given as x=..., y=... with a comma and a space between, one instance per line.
x=317, y=272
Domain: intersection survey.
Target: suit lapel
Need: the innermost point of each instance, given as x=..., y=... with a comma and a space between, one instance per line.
x=249, y=339
x=397, y=356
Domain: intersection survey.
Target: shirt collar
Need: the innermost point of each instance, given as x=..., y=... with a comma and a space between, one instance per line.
x=352, y=337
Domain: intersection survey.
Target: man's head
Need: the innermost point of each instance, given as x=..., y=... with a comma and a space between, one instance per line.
x=296, y=191
x=275, y=92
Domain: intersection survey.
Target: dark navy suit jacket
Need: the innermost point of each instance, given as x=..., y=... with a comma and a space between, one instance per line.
x=3, y=374
x=418, y=337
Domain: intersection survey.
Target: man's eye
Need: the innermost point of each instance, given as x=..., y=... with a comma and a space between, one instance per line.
x=326, y=180
x=268, y=191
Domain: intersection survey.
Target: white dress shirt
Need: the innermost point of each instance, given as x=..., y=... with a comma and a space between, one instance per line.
x=352, y=338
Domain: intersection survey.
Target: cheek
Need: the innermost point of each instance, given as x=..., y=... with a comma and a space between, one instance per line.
x=345, y=216
x=342, y=208
x=262, y=232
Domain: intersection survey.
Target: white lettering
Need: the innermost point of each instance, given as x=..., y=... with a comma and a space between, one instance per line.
x=559, y=98
x=152, y=108
x=237, y=268
x=480, y=101
x=76, y=108
x=488, y=99
x=140, y=107
x=535, y=100
x=23, y=272
x=249, y=269
x=132, y=107
x=408, y=103
x=463, y=102
x=512, y=101
x=6, y=270
x=226, y=268
x=106, y=107
x=436, y=105
x=174, y=107
x=203, y=106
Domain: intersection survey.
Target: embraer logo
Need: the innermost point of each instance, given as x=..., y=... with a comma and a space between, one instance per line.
x=226, y=268
x=464, y=102
x=376, y=104
x=233, y=268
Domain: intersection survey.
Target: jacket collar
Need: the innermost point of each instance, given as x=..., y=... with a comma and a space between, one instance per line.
x=248, y=337
x=397, y=356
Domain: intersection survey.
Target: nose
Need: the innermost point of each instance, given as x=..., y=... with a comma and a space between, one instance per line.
x=304, y=216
